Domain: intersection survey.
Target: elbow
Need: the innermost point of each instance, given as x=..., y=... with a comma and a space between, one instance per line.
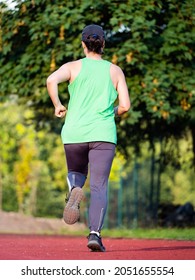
x=49, y=81
x=123, y=109
x=127, y=107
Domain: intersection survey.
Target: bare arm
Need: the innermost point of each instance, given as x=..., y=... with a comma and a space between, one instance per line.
x=59, y=76
x=121, y=87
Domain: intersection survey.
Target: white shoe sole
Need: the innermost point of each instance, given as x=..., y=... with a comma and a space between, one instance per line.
x=71, y=211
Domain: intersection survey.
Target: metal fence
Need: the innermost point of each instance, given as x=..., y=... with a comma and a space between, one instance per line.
x=136, y=201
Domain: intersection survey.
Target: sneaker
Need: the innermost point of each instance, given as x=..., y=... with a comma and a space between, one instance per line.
x=95, y=243
x=71, y=211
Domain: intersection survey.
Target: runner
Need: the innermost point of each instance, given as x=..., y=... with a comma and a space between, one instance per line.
x=89, y=132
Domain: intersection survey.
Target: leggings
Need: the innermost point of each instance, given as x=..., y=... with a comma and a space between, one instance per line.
x=98, y=157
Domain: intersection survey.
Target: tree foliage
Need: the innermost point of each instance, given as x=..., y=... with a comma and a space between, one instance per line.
x=152, y=41
x=32, y=164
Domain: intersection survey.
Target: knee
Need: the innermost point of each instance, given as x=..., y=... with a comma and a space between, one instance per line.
x=76, y=179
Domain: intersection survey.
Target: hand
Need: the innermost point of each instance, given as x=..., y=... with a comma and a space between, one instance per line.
x=60, y=111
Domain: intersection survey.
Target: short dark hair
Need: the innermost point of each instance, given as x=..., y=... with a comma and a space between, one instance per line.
x=94, y=43
x=93, y=36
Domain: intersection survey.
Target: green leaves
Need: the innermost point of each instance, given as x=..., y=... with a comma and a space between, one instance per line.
x=152, y=41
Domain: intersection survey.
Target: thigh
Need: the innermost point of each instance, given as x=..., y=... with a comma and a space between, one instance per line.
x=101, y=156
x=77, y=157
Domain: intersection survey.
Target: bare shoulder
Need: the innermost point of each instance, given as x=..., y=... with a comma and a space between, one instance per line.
x=75, y=68
x=71, y=64
x=116, y=74
x=115, y=70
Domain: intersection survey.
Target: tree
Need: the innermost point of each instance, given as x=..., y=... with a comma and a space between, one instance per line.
x=152, y=41
x=7, y=147
x=32, y=164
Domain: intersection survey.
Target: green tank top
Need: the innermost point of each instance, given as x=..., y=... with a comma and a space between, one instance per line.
x=90, y=115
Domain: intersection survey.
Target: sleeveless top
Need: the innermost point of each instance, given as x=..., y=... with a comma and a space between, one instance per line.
x=90, y=115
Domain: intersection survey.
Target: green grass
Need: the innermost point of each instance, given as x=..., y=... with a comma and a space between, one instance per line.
x=143, y=233
x=155, y=233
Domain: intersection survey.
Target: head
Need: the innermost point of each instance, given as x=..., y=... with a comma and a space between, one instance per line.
x=94, y=38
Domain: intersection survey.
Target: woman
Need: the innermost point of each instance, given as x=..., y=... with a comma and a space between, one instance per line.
x=89, y=131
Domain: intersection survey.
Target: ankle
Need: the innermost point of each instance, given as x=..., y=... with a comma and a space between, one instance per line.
x=95, y=232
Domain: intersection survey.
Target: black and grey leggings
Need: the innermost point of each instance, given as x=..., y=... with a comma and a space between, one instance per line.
x=98, y=156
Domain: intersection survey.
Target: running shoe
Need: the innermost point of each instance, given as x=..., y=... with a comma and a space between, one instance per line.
x=71, y=211
x=95, y=243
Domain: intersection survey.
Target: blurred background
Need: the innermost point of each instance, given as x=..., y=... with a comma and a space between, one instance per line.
x=152, y=182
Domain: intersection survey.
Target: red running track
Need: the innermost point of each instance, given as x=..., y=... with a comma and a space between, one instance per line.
x=39, y=247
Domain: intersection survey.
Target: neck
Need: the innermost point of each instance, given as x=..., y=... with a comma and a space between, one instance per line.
x=94, y=55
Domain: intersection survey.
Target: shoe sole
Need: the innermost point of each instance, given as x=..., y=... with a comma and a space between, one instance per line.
x=71, y=211
x=95, y=246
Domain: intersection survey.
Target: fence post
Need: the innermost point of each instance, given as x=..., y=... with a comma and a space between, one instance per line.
x=151, y=197
x=135, y=187
x=158, y=182
x=120, y=206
